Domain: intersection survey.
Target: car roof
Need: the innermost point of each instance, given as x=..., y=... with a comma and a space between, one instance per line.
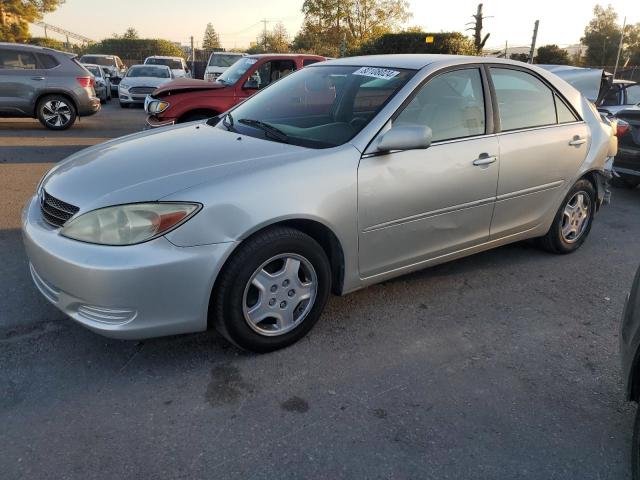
x=414, y=61
x=284, y=55
x=165, y=57
x=147, y=65
x=38, y=48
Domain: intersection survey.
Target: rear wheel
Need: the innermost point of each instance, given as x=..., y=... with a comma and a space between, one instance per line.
x=56, y=112
x=572, y=222
x=272, y=291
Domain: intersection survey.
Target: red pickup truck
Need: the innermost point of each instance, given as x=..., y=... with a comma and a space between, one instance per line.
x=185, y=100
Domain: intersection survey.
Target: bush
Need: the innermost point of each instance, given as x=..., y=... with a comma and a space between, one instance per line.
x=135, y=48
x=48, y=43
x=453, y=43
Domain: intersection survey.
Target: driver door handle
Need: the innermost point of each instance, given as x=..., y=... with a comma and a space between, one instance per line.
x=37, y=78
x=577, y=141
x=484, y=159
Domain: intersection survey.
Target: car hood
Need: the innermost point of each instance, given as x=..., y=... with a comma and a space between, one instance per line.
x=150, y=165
x=144, y=81
x=186, y=85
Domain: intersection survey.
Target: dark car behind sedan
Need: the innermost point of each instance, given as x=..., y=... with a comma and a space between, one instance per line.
x=630, y=356
x=626, y=166
x=45, y=84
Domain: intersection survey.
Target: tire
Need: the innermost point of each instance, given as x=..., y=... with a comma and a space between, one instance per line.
x=635, y=448
x=56, y=112
x=269, y=259
x=576, y=227
x=625, y=181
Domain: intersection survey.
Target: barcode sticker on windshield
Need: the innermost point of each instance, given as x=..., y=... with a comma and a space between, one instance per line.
x=375, y=72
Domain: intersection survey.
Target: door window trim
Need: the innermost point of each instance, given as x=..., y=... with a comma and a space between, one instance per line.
x=554, y=91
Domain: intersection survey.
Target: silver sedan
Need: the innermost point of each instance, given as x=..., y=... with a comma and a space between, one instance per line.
x=341, y=175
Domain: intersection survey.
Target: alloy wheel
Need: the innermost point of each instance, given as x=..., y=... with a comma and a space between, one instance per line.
x=56, y=113
x=280, y=294
x=575, y=217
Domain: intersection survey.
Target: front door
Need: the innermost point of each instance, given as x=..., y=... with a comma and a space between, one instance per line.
x=417, y=205
x=20, y=81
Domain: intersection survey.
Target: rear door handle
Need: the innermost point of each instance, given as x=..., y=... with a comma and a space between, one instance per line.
x=484, y=159
x=577, y=141
x=37, y=78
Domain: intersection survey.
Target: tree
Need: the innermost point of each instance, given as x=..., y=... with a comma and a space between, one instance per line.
x=478, y=39
x=452, y=43
x=601, y=37
x=552, y=55
x=211, y=39
x=130, y=34
x=275, y=40
x=15, y=16
x=136, y=49
x=328, y=22
x=47, y=42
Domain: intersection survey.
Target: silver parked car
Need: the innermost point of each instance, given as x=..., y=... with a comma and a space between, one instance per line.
x=178, y=65
x=112, y=64
x=341, y=175
x=140, y=81
x=102, y=81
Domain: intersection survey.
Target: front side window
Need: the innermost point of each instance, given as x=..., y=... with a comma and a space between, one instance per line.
x=523, y=100
x=94, y=70
x=451, y=105
x=270, y=72
x=15, y=60
x=317, y=107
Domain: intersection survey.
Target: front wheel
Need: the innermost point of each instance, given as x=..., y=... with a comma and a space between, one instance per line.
x=272, y=291
x=56, y=112
x=572, y=222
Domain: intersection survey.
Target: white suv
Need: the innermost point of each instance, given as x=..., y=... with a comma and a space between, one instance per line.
x=219, y=62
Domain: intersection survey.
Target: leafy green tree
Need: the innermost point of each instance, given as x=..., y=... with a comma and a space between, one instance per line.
x=453, y=43
x=15, y=16
x=275, y=40
x=327, y=23
x=552, y=55
x=211, y=39
x=130, y=34
x=47, y=42
x=601, y=37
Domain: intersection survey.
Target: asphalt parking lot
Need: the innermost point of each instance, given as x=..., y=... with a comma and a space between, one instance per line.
x=502, y=365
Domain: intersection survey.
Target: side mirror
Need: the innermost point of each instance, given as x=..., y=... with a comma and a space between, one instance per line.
x=250, y=85
x=405, y=137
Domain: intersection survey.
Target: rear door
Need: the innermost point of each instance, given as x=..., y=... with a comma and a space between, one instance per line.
x=21, y=79
x=542, y=144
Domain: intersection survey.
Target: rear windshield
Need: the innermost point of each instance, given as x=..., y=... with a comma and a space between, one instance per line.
x=172, y=64
x=142, y=71
x=223, y=60
x=95, y=70
x=104, y=61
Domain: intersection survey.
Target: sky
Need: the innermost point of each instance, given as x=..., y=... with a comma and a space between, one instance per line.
x=238, y=22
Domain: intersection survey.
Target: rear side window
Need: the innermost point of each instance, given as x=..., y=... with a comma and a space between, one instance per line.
x=16, y=60
x=523, y=100
x=48, y=61
x=451, y=104
x=565, y=115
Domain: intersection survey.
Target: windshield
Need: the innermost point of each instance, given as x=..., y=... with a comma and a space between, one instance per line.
x=317, y=107
x=223, y=59
x=95, y=70
x=171, y=63
x=104, y=61
x=154, y=72
x=232, y=74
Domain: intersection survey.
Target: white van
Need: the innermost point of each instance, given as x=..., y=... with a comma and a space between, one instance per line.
x=177, y=65
x=219, y=62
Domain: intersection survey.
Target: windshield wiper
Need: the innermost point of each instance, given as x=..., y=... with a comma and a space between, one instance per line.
x=269, y=130
x=227, y=121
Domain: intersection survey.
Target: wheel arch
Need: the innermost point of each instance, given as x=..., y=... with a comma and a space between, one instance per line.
x=599, y=182
x=46, y=93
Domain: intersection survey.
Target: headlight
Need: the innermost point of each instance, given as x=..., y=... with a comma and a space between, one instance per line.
x=157, y=106
x=129, y=224
x=124, y=86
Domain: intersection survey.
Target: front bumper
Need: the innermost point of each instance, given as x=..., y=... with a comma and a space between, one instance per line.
x=139, y=291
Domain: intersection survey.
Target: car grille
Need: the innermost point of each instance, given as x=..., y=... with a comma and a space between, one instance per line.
x=54, y=211
x=141, y=90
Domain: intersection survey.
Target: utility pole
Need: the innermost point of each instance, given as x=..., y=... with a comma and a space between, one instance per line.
x=264, y=34
x=615, y=69
x=45, y=33
x=533, y=41
x=193, y=58
x=505, y=49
